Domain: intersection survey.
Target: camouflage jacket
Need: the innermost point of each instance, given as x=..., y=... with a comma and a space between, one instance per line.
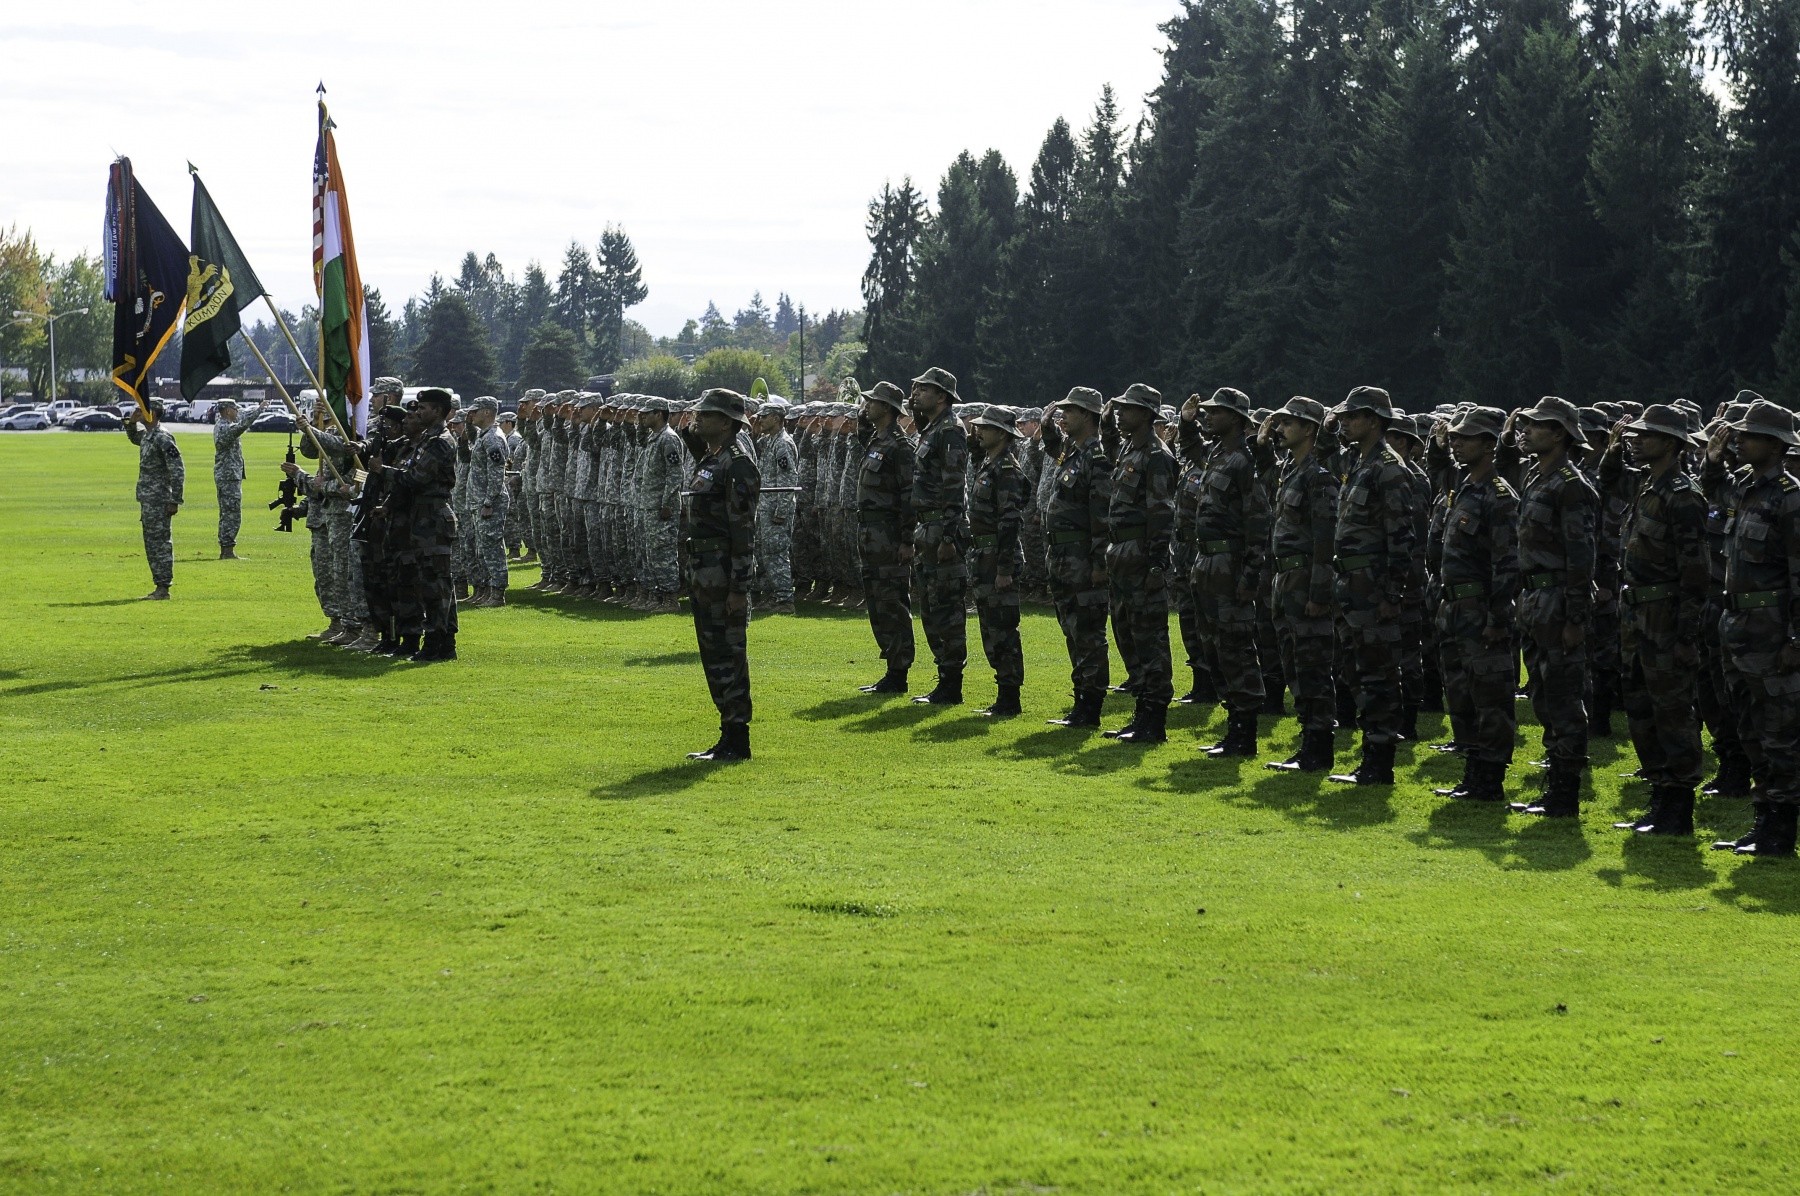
x=779, y=461
x=939, y=496
x=1478, y=550
x=720, y=509
x=1302, y=532
x=1763, y=563
x=884, y=481
x=487, y=471
x=1375, y=528
x=161, y=476
x=1141, y=506
x=228, y=448
x=1558, y=523
x=1663, y=553
x=1075, y=522
x=997, y=500
x=1231, y=508
x=659, y=485
x=421, y=485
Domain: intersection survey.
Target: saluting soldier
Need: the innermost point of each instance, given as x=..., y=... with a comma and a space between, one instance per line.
x=1662, y=594
x=1302, y=539
x=997, y=502
x=1559, y=517
x=1720, y=482
x=160, y=482
x=1076, y=541
x=720, y=509
x=884, y=528
x=422, y=482
x=489, y=499
x=941, y=530
x=1140, y=525
x=228, y=472
x=780, y=466
x=1477, y=574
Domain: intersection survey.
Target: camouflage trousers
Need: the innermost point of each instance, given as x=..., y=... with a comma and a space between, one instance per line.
x=544, y=533
x=468, y=564
x=723, y=638
x=518, y=521
x=378, y=587
x=1658, y=696
x=1412, y=653
x=231, y=510
x=1303, y=645
x=1481, y=681
x=1227, y=625
x=1368, y=648
x=661, y=568
x=774, y=556
x=1556, y=678
x=599, y=548
x=573, y=526
x=490, y=547
x=159, y=541
x=997, y=615
x=1713, y=698
x=1181, y=565
x=1766, y=699
x=424, y=600
x=1268, y=640
x=1144, y=614
x=943, y=589
x=1081, y=610
x=337, y=567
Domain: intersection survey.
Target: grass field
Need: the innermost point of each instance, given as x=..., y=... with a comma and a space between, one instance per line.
x=276, y=917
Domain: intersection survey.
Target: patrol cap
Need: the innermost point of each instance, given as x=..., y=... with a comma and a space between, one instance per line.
x=1140, y=394
x=885, y=392
x=751, y=406
x=775, y=405
x=1367, y=398
x=941, y=378
x=1766, y=419
x=1301, y=407
x=1594, y=420
x=1659, y=417
x=387, y=384
x=436, y=396
x=655, y=404
x=1084, y=397
x=486, y=403
x=1228, y=398
x=1166, y=414
x=725, y=402
x=1552, y=410
x=1479, y=421
x=506, y=417
x=1003, y=418
x=533, y=395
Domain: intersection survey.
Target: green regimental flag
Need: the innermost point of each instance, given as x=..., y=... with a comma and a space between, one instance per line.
x=220, y=284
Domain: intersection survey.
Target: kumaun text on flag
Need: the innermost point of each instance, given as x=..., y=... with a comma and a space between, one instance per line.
x=344, y=326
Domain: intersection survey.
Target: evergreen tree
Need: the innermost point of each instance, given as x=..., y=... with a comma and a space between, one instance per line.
x=896, y=221
x=750, y=326
x=454, y=352
x=958, y=265
x=574, y=298
x=618, y=286
x=714, y=331
x=533, y=307
x=1024, y=336
x=552, y=359
x=786, y=320
x=382, y=334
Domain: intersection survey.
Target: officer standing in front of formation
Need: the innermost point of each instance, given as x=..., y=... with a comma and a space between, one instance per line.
x=1076, y=540
x=160, y=481
x=1559, y=515
x=1302, y=537
x=884, y=531
x=420, y=486
x=997, y=500
x=780, y=466
x=488, y=501
x=1140, y=525
x=941, y=530
x=1760, y=629
x=1662, y=593
x=1375, y=550
x=1477, y=571
x=720, y=510
x=1229, y=539
x=228, y=472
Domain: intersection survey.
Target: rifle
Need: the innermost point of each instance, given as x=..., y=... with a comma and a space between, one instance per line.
x=287, y=496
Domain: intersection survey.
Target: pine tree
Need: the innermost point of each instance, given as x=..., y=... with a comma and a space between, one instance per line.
x=1025, y=333
x=750, y=326
x=574, y=298
x=714, y=331
x=531, y=308
x=958, y=265
x=382, y=334
x=895, y=223
x=787, y=321
x=552, y=359
x=454, y=352
x=618, y=286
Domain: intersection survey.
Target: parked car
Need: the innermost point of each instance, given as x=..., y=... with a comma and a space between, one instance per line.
x=61, y=410
x=24, y=419
x=93, y=421
x=273, y=421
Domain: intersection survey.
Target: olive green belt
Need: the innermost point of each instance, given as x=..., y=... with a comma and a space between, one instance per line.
x=1071, y=537
x=1465, y=589
x=1214, y=547
x=1632, y=595
x=1360, y=560
x=984, y=541
x=1754, y=600
x=1287, y=564
x=1125, y=534
x=1542, y=581
x=929, y=514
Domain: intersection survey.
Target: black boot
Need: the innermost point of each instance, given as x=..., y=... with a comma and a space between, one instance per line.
x=1733, y=779
x=439, y=645
x=1151, y=725
x=1137, y=712
x=1202, y=694
x=716, y=748
x=1755, y=832
x=1274, y=696
x=409, y=644
x=1084, y=713
x=1649, y=817
x=1777, y=838
x=1409, y=723
x=947, y=693
x=892, y=682
x=1240, y=736
x=1376, y=768
x=1673, y=816
x=733, y=745
x=389, y=646
x=1485, y=781
x=1346, y=707
x=1006, y=705
x=1562, y=794
x=1600, y=716
x=1471, y=769
x=1314, y=755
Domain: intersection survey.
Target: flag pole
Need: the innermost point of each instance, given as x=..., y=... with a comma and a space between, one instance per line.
x=304, y=423
x=305, y=365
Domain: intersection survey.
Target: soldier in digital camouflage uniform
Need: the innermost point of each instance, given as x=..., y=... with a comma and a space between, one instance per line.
x=1077, y=538
x=553, y=484
x=1140, y=525
x=1760, y=629
x=160, y=484
x=1229, y=538
x=228, y=472
x=462, y=567
x=1375, y=558
x=720, y=511
x=941, y=530
x=885, y=523
x=337, y=565
x=1302, y=539
x=659, y=500
x=531, y=437
x=516, y=522
x=1559, y=514
x=998, y=498
x=420, y=485
x=1477, y=574
x=1662, y=594
x=489, y=500
x=779, y=464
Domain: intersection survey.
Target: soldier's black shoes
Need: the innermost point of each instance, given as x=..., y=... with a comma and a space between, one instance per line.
x=1482, y=780
x=1240, y=736
x=1314, y=755
x=439, y=645
x=1006, y=705
x=1671, y=813
x=1750, y=836
x=1450, y=746
x=1409, y=723
x=1376, y=768
x=947, y=693
x=1084, y=713
x=1776, y=834
x=1733, y=780
x=1203, y=693
x=1562, y=795
x=892, y=682
x=1149, y=725
x=159, y=594
x=733, y=745
x=228, y=553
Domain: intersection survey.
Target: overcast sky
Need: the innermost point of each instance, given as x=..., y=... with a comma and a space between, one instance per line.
x=737, y=143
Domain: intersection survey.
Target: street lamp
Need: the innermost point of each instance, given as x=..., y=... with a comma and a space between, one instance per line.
x=50, y=320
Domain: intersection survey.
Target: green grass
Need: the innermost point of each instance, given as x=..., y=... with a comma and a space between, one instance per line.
x=277, y=917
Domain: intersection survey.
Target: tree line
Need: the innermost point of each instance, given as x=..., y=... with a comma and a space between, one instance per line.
x=1484, y=200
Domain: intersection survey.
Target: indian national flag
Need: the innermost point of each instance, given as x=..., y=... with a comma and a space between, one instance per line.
x=344, y=331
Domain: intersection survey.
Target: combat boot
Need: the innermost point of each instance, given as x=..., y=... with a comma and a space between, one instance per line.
x=1084, y=713
x=664, y=604
x=496, y=596
x=1346, y=707
x=335, y=626
x=947, y=693
x=1675, y=815
x=159, y=594
x=1314, y=755
x=892, y=682
x=227, y=552
x=1409, y=723
x=1777, y=837
x=408, y=645
x=1202, y=694
x=1274, y=696
x=1733, y=779
x=470, y=599
x=1151, y=725
x=1137, y=712
x=348, y=635
x=1240, y=736
x=368, y=641
x=1755, y=832
x=439, y=645
x=1006, y=705
x=782, y=608
x=1376, y=767
x=1650, y=815
x=733, y=745
x=1483, y=780
x=1562, y=794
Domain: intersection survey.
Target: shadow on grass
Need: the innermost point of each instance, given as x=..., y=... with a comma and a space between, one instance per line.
x=951, y=730
x=1047, y=744
x=1763, y=886
x=894, y=718
x=665, y=658
x=97, y=602
x=844, y=707
x=312, y=658
x=1532, y=844
x=658, y=782
x=1669, y=864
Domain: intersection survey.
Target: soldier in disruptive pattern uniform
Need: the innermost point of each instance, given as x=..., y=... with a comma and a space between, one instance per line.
x=228, y=472
x=941, y=530
x=1076, y=539
x=1140, y=525
x=998, y=498
x=1302, y=533
x=885, y=523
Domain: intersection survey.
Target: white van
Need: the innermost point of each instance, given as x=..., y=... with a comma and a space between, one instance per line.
x=61, y=410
